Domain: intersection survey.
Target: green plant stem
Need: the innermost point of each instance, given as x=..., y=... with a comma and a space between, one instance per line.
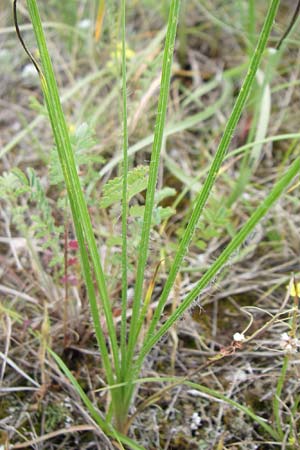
x=80, y=213
x=153, y=174
x=215, y=166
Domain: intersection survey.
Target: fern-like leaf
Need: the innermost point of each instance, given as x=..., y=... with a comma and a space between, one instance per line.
x=82, y=142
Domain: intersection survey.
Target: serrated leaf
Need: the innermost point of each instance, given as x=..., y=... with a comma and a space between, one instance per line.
x=112, y=190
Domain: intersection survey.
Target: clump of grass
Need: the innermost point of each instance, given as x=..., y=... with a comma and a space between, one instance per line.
x=124, y=356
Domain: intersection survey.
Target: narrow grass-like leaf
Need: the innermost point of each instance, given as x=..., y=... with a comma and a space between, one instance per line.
x=215, y=166
x=235, y=243
x=153, y=173
x=80, y=213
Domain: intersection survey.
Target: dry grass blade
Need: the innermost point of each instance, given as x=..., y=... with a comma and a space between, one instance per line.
x=53, y=434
